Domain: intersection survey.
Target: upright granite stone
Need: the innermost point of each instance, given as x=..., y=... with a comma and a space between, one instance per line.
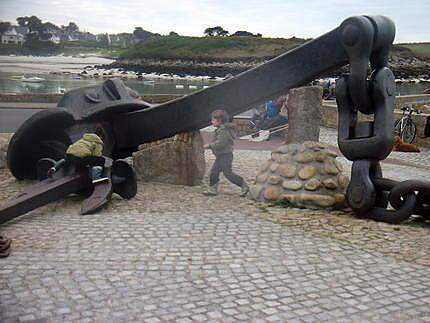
x=304, y=114
x=305, y=174
x=176, y=160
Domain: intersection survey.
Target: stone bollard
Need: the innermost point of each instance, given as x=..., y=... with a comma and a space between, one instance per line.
x=177, y=160
x=304, y=114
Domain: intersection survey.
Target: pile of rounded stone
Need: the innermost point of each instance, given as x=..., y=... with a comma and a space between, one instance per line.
x=306, y=175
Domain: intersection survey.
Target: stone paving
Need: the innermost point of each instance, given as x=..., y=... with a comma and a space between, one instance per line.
x=172, y=254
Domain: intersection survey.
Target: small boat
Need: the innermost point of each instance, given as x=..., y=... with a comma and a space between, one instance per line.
x=32, y=79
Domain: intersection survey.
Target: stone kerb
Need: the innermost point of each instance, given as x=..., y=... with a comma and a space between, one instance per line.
x=305, y=174
x=176, y=160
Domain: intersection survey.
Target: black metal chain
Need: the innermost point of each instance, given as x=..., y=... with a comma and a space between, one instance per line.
x=368, y=142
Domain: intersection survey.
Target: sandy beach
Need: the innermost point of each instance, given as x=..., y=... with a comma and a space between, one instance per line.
x=47, y=64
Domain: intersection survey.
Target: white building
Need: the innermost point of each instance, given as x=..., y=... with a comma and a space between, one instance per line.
x=12, y=37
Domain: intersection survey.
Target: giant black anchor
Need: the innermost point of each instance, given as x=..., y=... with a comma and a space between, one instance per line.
x=128, y=122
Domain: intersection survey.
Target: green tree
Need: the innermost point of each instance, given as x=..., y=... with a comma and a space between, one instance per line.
x=36, y=46
x=22, y=21
x=215, y=31
x=33, y=23
x=242, y=33
x=72, y=27
x=141, y=33
x=47, y=26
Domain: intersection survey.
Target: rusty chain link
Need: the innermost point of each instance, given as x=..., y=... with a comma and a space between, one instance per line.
x=368, y=142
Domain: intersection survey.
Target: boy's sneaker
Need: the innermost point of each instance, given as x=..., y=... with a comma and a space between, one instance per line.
x=244, y=189
x=212, y=190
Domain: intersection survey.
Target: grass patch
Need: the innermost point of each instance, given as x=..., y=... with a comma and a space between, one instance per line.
x=421, y=50
x=210, y=48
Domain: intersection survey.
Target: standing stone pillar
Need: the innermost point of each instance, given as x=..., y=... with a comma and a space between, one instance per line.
x=304, y=114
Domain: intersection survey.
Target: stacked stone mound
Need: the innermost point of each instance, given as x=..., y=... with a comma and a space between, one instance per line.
x=305, y=174
x=177, y=160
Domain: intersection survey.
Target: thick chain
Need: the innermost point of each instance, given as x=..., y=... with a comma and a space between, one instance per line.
x=368, y=142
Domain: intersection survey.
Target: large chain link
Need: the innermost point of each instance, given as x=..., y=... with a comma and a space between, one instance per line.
x=368, y=142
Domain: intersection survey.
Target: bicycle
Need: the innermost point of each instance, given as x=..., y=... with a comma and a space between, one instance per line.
x=405, y=127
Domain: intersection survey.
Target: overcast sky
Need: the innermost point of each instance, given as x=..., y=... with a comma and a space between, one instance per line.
x=272, y=18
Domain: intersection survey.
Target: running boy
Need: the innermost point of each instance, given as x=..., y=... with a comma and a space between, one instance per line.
x=222, y=147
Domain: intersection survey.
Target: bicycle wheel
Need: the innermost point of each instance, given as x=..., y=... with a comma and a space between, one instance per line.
x=397, y=127
x=409, y=131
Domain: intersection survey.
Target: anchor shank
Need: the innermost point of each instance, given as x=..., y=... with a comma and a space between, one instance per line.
x=42, y=193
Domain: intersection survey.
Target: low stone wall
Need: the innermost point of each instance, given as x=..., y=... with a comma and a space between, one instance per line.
x=418, y=101
x=54, y=98
x=329, y=119
x=31, y=98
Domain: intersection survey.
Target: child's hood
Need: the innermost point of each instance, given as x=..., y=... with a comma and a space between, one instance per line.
x=231, y=128
x=92, y=137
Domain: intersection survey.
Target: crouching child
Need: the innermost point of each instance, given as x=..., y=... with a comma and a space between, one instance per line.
x=88, y=151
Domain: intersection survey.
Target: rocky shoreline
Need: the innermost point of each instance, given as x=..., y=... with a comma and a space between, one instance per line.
x=403, y=68
x=183, y=68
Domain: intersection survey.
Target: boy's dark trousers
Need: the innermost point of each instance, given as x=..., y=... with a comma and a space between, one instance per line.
x=223, y=164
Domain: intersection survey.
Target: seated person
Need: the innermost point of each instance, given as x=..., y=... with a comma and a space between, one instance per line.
x=271, y=109
x=265, y=120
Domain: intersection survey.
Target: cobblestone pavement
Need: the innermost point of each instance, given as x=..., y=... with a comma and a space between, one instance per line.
x=172, y=254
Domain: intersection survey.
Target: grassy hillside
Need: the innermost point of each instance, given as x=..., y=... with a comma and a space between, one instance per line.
x=237, y=48
x=421, y=50
x=210, y=48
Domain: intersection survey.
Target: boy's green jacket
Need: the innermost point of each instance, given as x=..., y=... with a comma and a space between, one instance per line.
x=223, y=140
x=89, y=145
